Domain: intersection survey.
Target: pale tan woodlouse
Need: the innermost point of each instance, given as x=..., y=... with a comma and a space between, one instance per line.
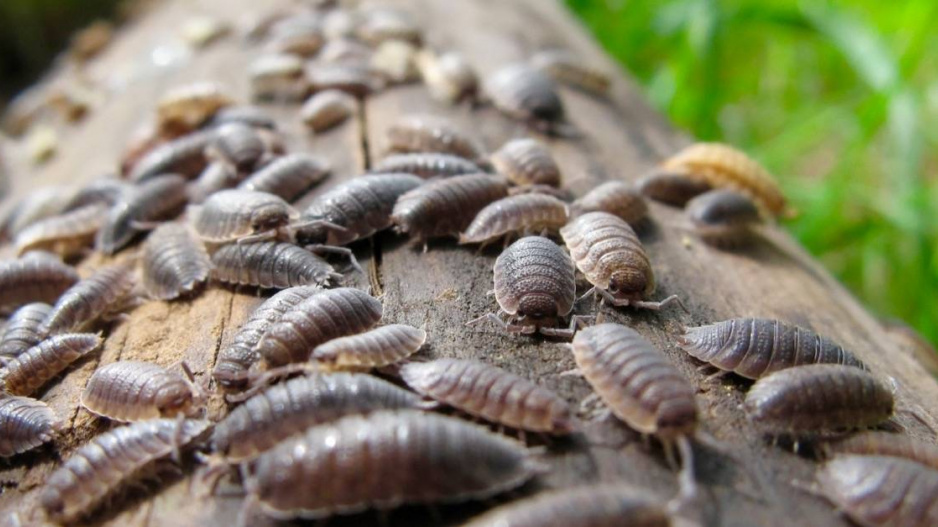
x=187, y=107
x=375, y=348
x=327, y=109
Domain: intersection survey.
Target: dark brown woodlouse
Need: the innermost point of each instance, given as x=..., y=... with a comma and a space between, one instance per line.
x=446, y=207
x=270, y=265
x=236, y=360
x=99, y=469
x=672, y=188
x=330, y=314
x=724, y=218
x=617, y=198
x=521, y=214
x=99, y=294
x=41, y=363
x=230, y=215
x=565, y=67
x=384, y=460
x=755, y=347
x=174, y=261
x=184, y=156
x=526, y=94
x=426, y=133
x=426, y=165
x=67, y=234
x=156, y=199
x=607, y=251
x=881, y=491
x=34, y=277
x=876, y=443
x=818, y=398
x=134, y=391
x=239, y=145
x=22, y=331
x=327, y=109
x=526, y=162
x=249, y=115
x=491, y=393
x=25, y=424
x=372, y=349
x=288, y=177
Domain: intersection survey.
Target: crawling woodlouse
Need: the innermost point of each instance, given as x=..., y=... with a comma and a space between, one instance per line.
x=249, y=115
x=229, y=215
x=134, y=391
x=491, y=393
x=362, y=206
x=563, y=66
x=449, y=77
x=174, y=262
x=298, y=35
x=446, y=207
x=102, y=467
x=322, y=317
x=755, y=347
x=426, y=133
x=37, y=205
x=535, y=285
x=288, y=177
x=36, y=366
x=617, y=198
x=327, y=109
x=278, y=77
x=818, y=398
x=526, y=94
x=22, y=331
x=516, y=215
x=184, y=155
x=405, y=456
x=275, y=265
x=372, y=349
x=354, y=79
x=104, y=191
x=526, y=162
x=25, y=424
x=875, y=443
x=216, y=177
x=673, y=188
x=187, y=107
x=33, y=277
x=425, y=165
x=239, y=145
x=67, y=234
x=723, y=217
x=881, y=491
x=157, y=199
x=89, y=299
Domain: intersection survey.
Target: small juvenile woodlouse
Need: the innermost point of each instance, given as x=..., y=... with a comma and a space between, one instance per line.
x=672, y=188
x=184, y=155
x=67, y=234
x=249, y=115
x=818, y=398
x=526, y=162
x=521, y=214
x=526, y=94
x=239, y=145
x=25, y=424
x=288, y=177
x=91, y=298
x=565, y=67
x=230, y=215
x=491, y=393
x=875, y=443
x=881, y=491
x=327, y=109
x=723, y=218
x=129, y=390
x=322, y=317
x=449, y=77
x=755, y=347
x=446, y=207
x=427, y=133
x=617, y=198
x=22, y=331
x=372, y=349
x=187, y=107
x=407, y=456
x=607, y=251
x=34, y=277
x=100, y=468
x=270, y=265
x=41, y=363
x=425, y=165
x=278, y=77
x=356, y=80
x=157, y=199
x=174, y=262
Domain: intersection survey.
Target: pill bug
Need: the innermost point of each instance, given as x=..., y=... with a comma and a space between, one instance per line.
x=427, y=133
x=425, y=165
x=67, y=234
x=516, y=215
x=249, y=115
x=174, y=262
x=881, y=491
x=362, y=206
x=229, y=215
x=278, y=77
x=449, y=77
x=405, y=456
x=38, y=365
x=673, y=188
x=105, y=191
x=755, y=347
x=372, y=349
x=34, y=277
x=102, y=467
x=565, y=67
x=491, y=393
x=354, y=79
x=602, y=505
x=875, y=443
x=129, y=390
x=22, y=331
x=187, y=107
x=216, y=177
x=322, y=317
x=818, y=398
x=723, y=218
x=184, y=155
x=25, y=424
x=446, y=207
x=526, y=94
x=91, y=298
x=287, y=409
x=607, y=251
x=381, y=24
x=237, y=144
x=270, y=265
x=156, y=199
x=326, y=109
x=39, y=204
x=288, y=177
x=526, y=162
x=617, y=198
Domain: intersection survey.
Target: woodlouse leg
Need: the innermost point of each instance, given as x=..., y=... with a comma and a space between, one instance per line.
x=491, y=317
x=586, y=294
x=344, y=251
x=656, y=306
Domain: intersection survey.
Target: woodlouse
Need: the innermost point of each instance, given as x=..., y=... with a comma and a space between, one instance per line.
x=25, y=424
x=875, y=443
x=426, y=133
x=184, y=155
x=381, y=24
x=278, y=77
x=134, y=391
x=187, y=107
x=673, y=188
x=723, y=217
x=516, y=215
x=22, y=330
x=157, y=199
x=425, y=165
x=174, y=262
x=372, y=349
x=355, y=79
x=607, y=251
x=298, y=35
x=565, y=67
x=91, y=298
x=617, y=198
x=526, y=162
x=448, y=77
x=446, y=207
x=216, y=177
x=229, y=215
x=37, y=205
x=34, y=277
x=322, y=317
x=100, y=468
x=288, y=177
x=491, y=393
x=67, y=234
x=275, y=265
x=755, y=347
x=239, y=145
x=384, y=460
x=105, y=191
x=249, y=115
x=526, y=94
x=395, y=62
x=41, y=363
x=327, y=109
x=818, y=398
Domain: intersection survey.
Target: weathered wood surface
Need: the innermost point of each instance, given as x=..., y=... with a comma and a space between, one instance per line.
x=440, y=290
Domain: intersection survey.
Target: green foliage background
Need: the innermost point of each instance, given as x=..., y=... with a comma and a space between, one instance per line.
x=837, y=98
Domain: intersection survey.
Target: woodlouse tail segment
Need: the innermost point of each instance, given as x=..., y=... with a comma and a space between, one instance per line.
x=320, y=249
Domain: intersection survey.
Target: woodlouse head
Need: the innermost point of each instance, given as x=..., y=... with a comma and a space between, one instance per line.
x=538, y=307
x=269, y=216
x=630, y=283
x=174, y=399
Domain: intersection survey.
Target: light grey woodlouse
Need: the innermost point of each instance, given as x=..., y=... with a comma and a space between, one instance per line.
x=129, y=390
x=449, y=77
x=270, y=265
x=877, y=443
x=41, y=363
x=722, y=217
x=526, y=94
x=25, y=424
x=278, y=77
x=355, y=79
x=37, y=205
x=99, y=294
x=327, y=109
x=382, y=23
x=33, y=277
x=516, y=215
x=174, y=262
x=425, y=165
x=105, y=191
x=156, y=199
x=22, y=331
x=184, y=155
x=67, y=234
x=617, y=198
x=216, y=177
x=526, y=162
x=755, y=347
x=427, y=133
x=249, y=115
x=229, y=215
x=376, y=348
x=672, y=188
x=491, y=393
x=288, y=177
x=565, y=67
x=239, y=145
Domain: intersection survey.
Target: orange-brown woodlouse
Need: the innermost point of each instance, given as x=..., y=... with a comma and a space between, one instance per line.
x=372, y=349
x=818, y=398
x=447, y=206
x=100, y=468
x=239, y=145
x=234, y=214
x=491, y=393
x=426, y=165
x=157, y=199
x=672, y=188
x=25, y=424
x=188, y=107
x=607, y=251
x=41, y=363
x=270, y=265
x=448, y=77
x=184, y=155
x=426, y=133
x=526, y=94
x=322, y=317
x=174, y=262
x=519, y=215
x=129, y=390
x=22, y=330
x=99, y=294
x=617, y=198
x=327, y=109
x=881, y=491
x=526, y=162
x=755, y=347
x=724, y=218
x=406, y=456
x=288, y=177
x=67, y=234
x=876, y=443
x=33, y=277
x=565, y=67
